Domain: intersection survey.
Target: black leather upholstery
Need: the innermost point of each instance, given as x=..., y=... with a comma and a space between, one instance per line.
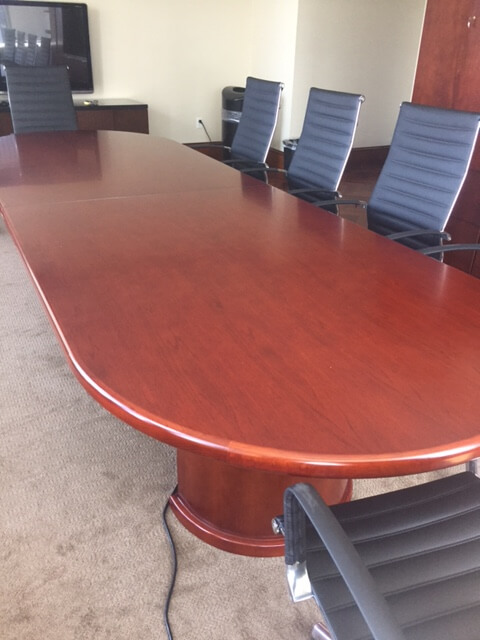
x=421, y=546
x=323, y=148
x=253, y=136
x=254, y=133
x=424, y=171
x=40, y=99
x=325, y=142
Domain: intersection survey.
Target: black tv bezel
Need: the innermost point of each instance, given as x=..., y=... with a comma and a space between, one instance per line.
x=89, y=86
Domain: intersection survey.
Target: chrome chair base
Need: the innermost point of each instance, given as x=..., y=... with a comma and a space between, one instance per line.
x=320, y=632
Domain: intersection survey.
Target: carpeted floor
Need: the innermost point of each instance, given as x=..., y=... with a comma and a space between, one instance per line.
x=83, y=552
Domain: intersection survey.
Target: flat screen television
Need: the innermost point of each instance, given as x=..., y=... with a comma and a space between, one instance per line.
x=46, y=33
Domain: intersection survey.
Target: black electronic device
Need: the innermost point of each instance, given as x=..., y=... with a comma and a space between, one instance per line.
x=34, y=32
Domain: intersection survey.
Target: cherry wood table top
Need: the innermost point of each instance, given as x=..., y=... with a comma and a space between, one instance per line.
x=228, y=318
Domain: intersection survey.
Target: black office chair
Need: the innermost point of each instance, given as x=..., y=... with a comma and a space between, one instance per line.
x=422, y=176
x=253, y=136
x=404, y=565
x=324, y=146
x=40, y=99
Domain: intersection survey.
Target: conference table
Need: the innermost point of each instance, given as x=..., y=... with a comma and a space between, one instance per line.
x=269, y=341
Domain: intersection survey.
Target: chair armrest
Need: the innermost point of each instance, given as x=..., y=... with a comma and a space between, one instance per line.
x=339, y=201
x=301, y=501
x=263, y=167
x=249, y=166
x=441, y=248
x=204, y=145
x=324, y=195
x=332, y=194
x=442, y=235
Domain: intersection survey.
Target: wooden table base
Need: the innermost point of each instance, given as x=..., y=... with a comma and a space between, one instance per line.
x=232, y=508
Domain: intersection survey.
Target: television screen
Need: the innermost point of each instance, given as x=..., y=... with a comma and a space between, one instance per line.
x=46, y=33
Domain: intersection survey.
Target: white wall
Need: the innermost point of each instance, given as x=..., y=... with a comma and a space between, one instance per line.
x=273, y=40
x=360, y=46
x=177, y=55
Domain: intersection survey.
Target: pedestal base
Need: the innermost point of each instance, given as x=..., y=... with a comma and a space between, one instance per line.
x=232, y=508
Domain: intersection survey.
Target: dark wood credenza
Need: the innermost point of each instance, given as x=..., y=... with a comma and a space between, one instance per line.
x=114, y=115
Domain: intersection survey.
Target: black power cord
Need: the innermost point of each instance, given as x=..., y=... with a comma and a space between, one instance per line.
x=174, y=568
x=205, y=129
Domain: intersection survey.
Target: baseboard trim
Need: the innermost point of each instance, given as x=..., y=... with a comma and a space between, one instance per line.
x=366, y=157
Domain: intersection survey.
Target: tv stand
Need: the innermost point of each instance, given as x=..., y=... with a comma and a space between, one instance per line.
x=114, y=115
x=86, y=103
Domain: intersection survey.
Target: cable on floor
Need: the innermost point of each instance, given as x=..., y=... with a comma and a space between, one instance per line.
x=174, y=568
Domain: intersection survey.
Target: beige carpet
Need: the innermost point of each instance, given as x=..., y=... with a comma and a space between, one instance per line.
x=83, y=551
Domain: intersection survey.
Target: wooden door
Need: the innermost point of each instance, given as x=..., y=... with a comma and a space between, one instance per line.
x=448, y=76
x=467, y=84
x=441, y=52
